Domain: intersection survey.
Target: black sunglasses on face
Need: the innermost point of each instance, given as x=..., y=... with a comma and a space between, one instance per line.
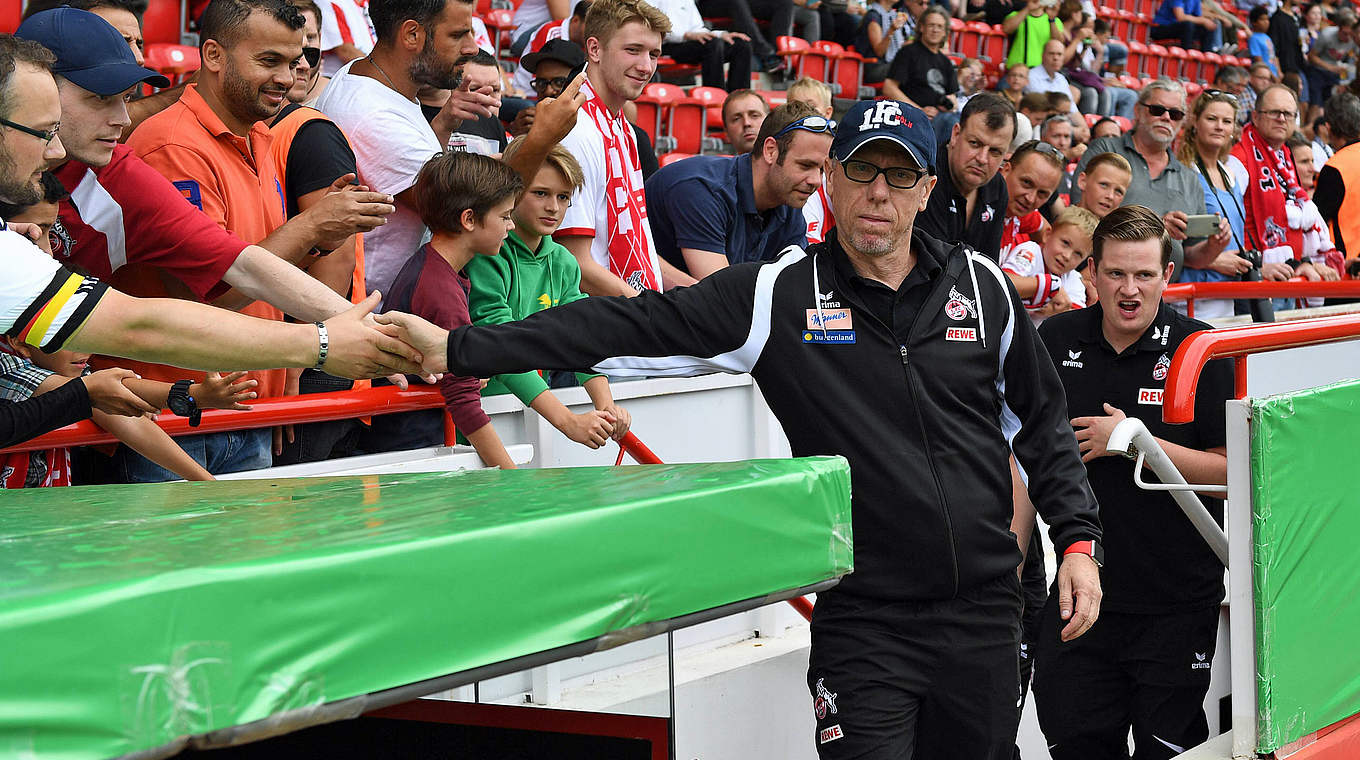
x=312, y=55
x=1156, y=110
x=542, y=85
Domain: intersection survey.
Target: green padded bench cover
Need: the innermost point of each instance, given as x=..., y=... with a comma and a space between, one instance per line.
x=134, y=616
x=1306, y=507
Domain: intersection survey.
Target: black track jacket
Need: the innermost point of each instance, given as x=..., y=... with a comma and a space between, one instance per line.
x=923, y=415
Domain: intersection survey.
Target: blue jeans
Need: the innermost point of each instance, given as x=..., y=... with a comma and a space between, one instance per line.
x=218, y=453
x=1124, y=100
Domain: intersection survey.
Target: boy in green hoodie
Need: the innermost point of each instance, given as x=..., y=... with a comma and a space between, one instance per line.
x=533, y=273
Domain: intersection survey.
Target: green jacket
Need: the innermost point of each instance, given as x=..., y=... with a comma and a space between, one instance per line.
x=515, y=284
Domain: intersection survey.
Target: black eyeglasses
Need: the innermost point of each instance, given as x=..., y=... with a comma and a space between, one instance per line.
x=809, y=124
x=541, y=85
x=864, y=173
x=1156, y=110
x=312, y=55
x=45, y=135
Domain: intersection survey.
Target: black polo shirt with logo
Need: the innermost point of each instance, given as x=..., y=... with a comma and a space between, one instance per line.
x=944, y=220
x=1155, y=561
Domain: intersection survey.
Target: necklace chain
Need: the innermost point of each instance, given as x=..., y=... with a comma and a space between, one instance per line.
x=390, y=83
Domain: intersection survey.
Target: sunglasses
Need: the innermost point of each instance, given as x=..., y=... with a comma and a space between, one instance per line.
x=1156, y=110
x=810, y=124
x=542, y=85
x=865, y=173
x=46, y=135
x=1231, y=98
x=312, y=55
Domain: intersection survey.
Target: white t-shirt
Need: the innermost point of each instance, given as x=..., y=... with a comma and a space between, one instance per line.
x=1027, y=260
x=817, y=212
x=344, y=22
x=41, y=302
x=391, y=142
x=481, y=36
x=532, y=14
x=583, y=217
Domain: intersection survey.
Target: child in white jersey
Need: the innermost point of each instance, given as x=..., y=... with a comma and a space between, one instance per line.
x=1046, y=277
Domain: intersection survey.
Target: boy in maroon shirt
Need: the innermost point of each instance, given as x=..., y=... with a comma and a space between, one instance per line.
x=465, y=199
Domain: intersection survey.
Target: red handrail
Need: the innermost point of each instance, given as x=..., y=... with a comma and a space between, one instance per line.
x=1178, y=405
x=1294, y=288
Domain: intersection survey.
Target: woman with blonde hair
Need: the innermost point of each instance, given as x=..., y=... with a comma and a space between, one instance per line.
x=1206, y=146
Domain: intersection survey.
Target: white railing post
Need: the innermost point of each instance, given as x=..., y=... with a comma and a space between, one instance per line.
x=1241, y=592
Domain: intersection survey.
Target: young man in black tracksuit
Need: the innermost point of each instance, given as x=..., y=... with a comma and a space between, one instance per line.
x=1146, y=664
x=914, y=360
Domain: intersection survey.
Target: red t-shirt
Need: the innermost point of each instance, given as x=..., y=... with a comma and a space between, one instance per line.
x=427, y=286
x=127, y=213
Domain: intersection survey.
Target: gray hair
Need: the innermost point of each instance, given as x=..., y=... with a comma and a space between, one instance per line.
x=1162, y=84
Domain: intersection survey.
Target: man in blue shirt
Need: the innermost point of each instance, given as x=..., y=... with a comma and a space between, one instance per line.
x=708, y=212
x=1183, y=21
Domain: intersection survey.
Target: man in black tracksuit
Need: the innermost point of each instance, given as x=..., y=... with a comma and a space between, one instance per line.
x=914, y=360
x=1145, y=666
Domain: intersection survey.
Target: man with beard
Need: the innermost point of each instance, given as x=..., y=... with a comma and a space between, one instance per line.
x=1160, y=181
x=373, y=99
x=47, y=306
x=214, y=147
x=969, y=200
x=710, y=211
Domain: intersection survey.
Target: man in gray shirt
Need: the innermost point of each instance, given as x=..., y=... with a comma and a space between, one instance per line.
x=1160, y=181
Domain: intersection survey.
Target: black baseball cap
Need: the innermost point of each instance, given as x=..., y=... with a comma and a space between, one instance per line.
x=901, y=124
x=560, y=50
x=89, y=51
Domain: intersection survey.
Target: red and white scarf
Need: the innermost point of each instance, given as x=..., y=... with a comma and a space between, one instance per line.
x=1272, y=182
x=630, y=255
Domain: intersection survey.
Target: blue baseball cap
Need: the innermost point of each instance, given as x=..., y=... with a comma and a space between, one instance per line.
x=89, y=51
x=903, y=125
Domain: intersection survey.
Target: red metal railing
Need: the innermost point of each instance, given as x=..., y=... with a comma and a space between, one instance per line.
x=1295, y=288
x=1178, y=405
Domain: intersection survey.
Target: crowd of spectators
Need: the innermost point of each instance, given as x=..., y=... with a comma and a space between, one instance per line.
x=291, y=178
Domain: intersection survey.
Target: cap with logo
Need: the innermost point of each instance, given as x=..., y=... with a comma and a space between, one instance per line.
x=903, y=125
x=560, y=50
x=89, y=51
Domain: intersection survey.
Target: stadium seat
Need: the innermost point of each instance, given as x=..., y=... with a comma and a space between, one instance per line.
x=1162, y=56
x=791, y=49
x=775, y=98
x=1176, y=63
x=670, y=158
x=500, y=25
x=160, y=24
x=1124, y=124
x=1212, y=63
x=972, y=37
x=993, y=43
x=816, y=62
x=174, y=61
x=1192, y=89
x=1130, y=81
x=1192, y=66
x=653, y=107
x=688, y=124
x=10, y=11
x=1092, y=118
x=1137, y=53
x=847, y=75
x=956, y=30
x=668, y=68
x=713, y=98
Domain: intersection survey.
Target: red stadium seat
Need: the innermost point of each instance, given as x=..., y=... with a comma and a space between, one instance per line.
x=1212, y=63
x=791, y=49
x=956, y=29
x=1192, y=89
x=971, y=39
x=847, y=74
x=669, y=68
x=1176, y=63
x=1192, y=65
x=1137, y=53
x=1130, y=81
x=161, y=23
x=672, y=157
x=1092, y=118
x=1124, y=124
x=500, y=25
x=713, y=98
x=993, y=43
x=10, y=11
x=688, y=124
x=775, y=98
x=653, y=107
x=174, y=61
x=1161, y=55
x=816, y=62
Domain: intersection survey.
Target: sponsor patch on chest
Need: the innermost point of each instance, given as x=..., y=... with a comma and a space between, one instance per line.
x=830, y=326
x=961, y=334
x=830, y=734
x=1150, y=396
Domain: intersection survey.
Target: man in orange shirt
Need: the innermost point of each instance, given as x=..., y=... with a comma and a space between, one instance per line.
x=213, y=146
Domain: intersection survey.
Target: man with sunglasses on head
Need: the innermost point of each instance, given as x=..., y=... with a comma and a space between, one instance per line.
x=1160, y=181
x=708, y=212
x=912, y=358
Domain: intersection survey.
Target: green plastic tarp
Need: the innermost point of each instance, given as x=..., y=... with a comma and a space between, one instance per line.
x=1306, y=512
x=131, y=616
